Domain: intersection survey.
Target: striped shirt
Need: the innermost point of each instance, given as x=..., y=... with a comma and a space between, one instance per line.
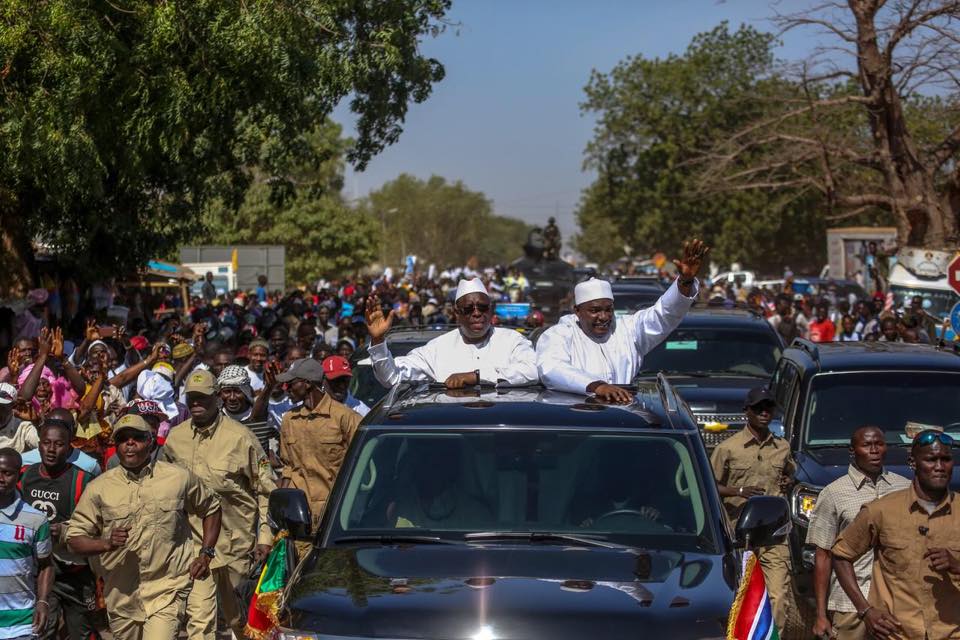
x=837, y=506
x=24, y=539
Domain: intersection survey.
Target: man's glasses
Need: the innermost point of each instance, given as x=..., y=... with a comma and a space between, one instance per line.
x=136, y=436
x=470, y=308
x=925, y=438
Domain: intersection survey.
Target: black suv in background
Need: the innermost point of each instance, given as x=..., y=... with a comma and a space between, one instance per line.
x=712, y=359
x=521, y=514
x=826, y=391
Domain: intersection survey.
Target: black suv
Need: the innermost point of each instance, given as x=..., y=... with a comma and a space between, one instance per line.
x=826, y=391
x=521, y=513
x=712, y=359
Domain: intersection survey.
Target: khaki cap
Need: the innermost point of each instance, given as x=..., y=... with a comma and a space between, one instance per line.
x=130, y=421
x=201, y=381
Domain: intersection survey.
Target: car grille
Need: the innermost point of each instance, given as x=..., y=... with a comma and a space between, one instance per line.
x=736, y=421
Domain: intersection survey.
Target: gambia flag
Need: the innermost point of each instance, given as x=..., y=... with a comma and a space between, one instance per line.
x=751, y=617
x=265, y=605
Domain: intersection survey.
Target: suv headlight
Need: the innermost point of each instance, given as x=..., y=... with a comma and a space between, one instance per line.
x=804, y=500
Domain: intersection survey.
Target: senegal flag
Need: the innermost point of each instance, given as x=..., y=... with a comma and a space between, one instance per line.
x=265, y=604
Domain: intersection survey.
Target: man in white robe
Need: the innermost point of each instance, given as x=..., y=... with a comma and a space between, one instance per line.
x=591, y=351
x=474, y=352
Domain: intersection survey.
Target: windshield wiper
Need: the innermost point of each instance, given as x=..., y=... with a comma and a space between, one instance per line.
x=394, y=539
x=541, y=536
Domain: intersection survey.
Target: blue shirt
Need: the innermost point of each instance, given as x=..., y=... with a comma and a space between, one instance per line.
x=77, y=458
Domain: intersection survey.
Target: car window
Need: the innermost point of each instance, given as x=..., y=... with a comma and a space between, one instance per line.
x=641, y=490
x=729, y=351
x=840, y=403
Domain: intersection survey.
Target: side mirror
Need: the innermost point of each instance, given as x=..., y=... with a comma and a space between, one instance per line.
x=765, y=520
x=776, y=427
x=289, y=510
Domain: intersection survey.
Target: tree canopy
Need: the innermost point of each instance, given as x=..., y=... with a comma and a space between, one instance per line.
x=323, y=236
x=119, y=121
x=655, y=118
x=443, y=223
x=869, y=123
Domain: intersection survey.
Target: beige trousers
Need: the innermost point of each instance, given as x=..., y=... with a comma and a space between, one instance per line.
x=162, y=625
x=202, y=604
x=775, y=563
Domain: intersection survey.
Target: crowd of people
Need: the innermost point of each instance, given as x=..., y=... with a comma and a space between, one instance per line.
x=830, y=316
x=137, y=459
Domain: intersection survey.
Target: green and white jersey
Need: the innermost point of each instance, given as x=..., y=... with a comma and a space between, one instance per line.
x=24, y=539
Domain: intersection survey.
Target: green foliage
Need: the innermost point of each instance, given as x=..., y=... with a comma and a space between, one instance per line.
x=442, y=223
x=322, y=235
x=656, y=117
x=120, y=119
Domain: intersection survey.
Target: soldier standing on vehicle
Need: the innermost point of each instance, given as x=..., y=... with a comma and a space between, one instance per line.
x=314, y=437
x=135, y=517
x=228, y=459
x=754, y=462
x=837, y=506
x=914, y=538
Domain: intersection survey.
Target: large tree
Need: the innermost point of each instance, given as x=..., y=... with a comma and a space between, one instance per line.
x=323, y=236
x=120, y=119
x=654, y=119
x=870, y=122
x=443, y=223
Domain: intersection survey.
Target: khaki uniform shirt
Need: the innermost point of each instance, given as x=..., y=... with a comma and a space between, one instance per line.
x=312, y=447
x=742, y=461
x=144, y=576
x=899, y=531
x=837, y=506
x=229, y=460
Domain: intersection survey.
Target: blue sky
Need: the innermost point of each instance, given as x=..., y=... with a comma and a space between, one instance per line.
x=506, y=119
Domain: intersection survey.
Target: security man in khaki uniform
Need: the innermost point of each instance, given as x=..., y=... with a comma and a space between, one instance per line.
x=913, y=536
x=315, y=436
x=135, y=519
x=228, y=459
x=754, y=462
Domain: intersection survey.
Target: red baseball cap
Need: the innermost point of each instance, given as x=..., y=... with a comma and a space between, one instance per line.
x=336, y=367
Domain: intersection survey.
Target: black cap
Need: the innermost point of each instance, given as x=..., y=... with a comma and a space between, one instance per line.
x=758, y=395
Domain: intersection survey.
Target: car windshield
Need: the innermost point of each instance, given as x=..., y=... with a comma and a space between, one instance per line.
x=728, y=351
x=941, y=302
x=638, y=490
x=894, y=401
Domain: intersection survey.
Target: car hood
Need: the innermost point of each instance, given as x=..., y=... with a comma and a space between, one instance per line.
x=820, y=467
x=516, y=591
x=716, y=394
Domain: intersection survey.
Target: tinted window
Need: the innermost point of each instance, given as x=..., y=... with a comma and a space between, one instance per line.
x=729, y=351
x=641, y=490
x=634, y=299
x=841, y=403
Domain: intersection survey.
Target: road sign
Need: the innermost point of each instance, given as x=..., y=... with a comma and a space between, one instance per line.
x=953, y=273
x=955, y=319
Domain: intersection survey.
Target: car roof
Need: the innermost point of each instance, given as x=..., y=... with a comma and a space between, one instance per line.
x=636, y=287
x=704, y=316
x=532, y=406
x=872, y=355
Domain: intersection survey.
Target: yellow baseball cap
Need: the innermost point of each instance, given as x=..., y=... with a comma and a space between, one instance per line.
x=130, y=421
x=201, y=381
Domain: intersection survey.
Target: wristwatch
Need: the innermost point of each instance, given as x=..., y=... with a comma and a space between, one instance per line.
x=862, y=614
x=210, y=552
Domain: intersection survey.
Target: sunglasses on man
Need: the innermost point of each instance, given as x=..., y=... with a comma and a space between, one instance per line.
x=470, y=308
x=925, y=438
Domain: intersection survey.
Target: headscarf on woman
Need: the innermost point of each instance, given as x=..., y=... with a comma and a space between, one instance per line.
x=62, y=393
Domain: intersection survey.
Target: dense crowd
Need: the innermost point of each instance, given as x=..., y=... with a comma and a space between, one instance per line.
x=145, y=450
